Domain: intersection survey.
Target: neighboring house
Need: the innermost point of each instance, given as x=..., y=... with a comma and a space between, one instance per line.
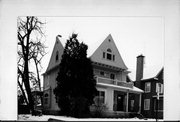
x=115, y=87
x=150, y=86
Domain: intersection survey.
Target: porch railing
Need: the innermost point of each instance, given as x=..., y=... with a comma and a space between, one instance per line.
x=113, y=82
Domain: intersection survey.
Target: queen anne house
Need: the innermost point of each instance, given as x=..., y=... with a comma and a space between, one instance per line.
x=113, y=84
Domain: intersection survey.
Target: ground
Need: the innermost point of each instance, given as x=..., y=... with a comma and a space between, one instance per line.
x=28, y=117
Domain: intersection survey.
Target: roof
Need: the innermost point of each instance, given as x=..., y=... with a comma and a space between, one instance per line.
x=134, y=89
x=148, y=73
x=108, y=43
x=58, y=47
x=95, y=57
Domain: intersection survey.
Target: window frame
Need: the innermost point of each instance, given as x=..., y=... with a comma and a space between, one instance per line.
x=160, y=88
x=146, y=104
x=113, y=75
x=132, y=105
x=108, y=55
x=100, y=93
x=46, y=97
x=102, y=73
x=146, y=87
x=104, y=55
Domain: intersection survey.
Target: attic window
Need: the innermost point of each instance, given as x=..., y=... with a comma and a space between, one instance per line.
x=109, y=55
x=57, y=56
x=103, y=54
x=109, y=50
x=109, y=40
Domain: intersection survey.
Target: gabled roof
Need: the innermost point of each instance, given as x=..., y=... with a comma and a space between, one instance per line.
x=155, y=76
x=161, y=71
x=58, y=47
x=108, y=43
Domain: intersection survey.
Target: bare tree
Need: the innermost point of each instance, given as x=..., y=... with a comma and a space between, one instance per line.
x=29, y=47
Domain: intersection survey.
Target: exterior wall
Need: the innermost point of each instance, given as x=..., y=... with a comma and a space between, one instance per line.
x=109, y=92
x=110, y=102
x=52, y=79
x=151, y=113
x=46, y=100
x=108, y=43
x=121, y=76
x=135, y=107
x=109, y=96
x=50, y=83
x=124, y=76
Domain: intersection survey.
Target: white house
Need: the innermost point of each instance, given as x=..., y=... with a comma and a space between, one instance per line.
x=111, y=75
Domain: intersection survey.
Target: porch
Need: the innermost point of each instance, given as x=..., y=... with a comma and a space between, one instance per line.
x=120, y=96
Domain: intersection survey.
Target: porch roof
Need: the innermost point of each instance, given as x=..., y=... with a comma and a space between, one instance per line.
x=131, y=90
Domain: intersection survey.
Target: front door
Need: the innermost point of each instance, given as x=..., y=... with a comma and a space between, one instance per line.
x=120, y=99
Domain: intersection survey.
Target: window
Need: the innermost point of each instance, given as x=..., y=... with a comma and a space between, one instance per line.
x=101, y=96
x=103, y=54
x=146, y=104
x=109, y=55
x=109, y=50
x=147, y=87
x=160, y=105
x=159, y=87
x=46, y=98
x=112, y=76
x=132, y=104
x=113, y=57
x=102, y=73
x=57, y=56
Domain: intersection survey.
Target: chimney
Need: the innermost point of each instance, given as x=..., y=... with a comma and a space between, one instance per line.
x=139, y=67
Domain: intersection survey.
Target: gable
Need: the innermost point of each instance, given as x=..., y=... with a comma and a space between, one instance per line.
x=56, y=55
x=108, y=47
x=160, y=75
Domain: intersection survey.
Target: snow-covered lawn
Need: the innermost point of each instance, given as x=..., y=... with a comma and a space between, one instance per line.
x=28, y=117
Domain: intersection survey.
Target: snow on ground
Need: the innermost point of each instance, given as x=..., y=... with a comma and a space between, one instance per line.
x=28, y=117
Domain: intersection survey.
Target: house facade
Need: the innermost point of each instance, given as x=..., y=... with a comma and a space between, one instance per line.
x=116, y=90
x=152, y=98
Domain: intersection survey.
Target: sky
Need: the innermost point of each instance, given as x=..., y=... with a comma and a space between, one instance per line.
x=132, y=35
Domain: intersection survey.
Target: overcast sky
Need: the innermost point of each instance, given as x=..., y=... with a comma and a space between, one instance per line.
x=133, y=36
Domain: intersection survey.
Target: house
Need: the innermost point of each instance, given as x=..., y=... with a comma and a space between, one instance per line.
x=111, y=74
x=152, y=100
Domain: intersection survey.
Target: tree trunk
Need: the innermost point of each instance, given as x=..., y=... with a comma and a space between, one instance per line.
x=37, y=71
x=26, y=76
x=23, y=93
x=39, y=83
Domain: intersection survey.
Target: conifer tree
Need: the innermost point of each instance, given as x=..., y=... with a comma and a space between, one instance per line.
x=76, y=86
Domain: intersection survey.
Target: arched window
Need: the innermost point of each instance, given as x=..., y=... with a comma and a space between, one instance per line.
x=57, y=56
x=109, y=50
x=46, y=95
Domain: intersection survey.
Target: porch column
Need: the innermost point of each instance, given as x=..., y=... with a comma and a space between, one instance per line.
x=139, y=103
x=127, y=99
